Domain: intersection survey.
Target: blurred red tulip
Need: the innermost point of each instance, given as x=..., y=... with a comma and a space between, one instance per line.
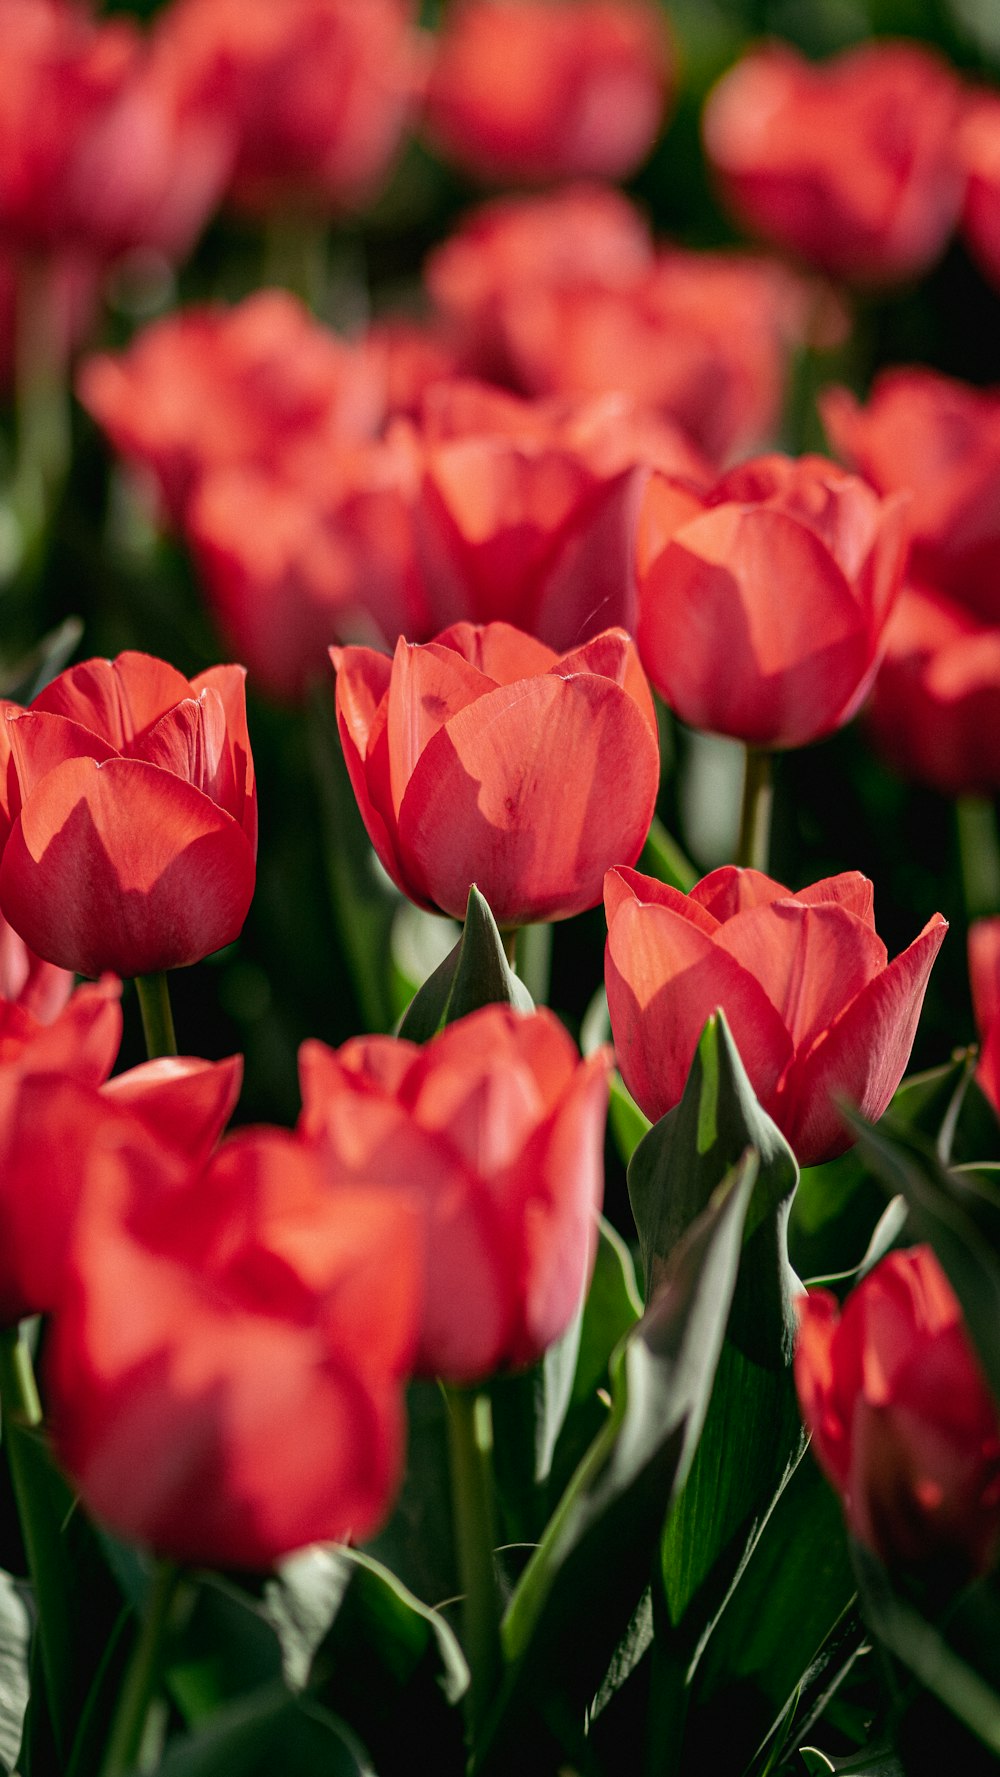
x=55, y=1116
x=457, y=752
x=250, y=1400
x=526, y=512
x=292, y=561
x=577, y=236
x=316, y=93
x=935, y=710
x=940, y=439
x=902, y=1422
x=984, y=980
x=134, y=812
x=533, y=90
x=787, y=570
x=496, y=1128
x=979, y=153
x=850, y=164
x=816, y=1009
x=212, y=388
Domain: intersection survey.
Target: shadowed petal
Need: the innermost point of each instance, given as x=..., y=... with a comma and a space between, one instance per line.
x=809, y=960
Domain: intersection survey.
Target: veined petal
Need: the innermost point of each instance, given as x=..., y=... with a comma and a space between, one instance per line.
x=863, y=1055
x=810, y=961
x=122, y=866
x=38, y=743
x=613, y=655
x=621, y=885
x=664, y=978
x=732, y=889
x=482, y=806
x=500, y=651
x=428, y=685
x=116, y=699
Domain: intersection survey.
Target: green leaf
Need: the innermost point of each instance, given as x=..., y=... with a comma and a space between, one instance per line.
x=958, y=1214
x=584, y=1581
x=529, y=1410
x=753, y=1409
x=15, y=1640
x=610, y=1312
x=628, y=1123
x=418, y=1543
x=393, y=1667
x=225, y=1648
x=266, y=1733
x=475, y=973
x=777, y=1623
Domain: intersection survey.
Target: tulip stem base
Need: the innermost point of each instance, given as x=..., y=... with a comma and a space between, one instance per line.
x=754, y=843
x=533, y=960
x=135, y=1708
x=979, y=852
x=470, y=1446
x=157, y=1018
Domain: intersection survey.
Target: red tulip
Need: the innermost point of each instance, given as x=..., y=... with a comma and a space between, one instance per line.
x=851, y=164
x=292, y=560
x=940, y=439
x=134, y=812
x=984, y=979
x=935, y=711
x=902, y=1422
x=979, y=152
x=576, y=236
x=496, y=1128
x=249, y=1401
x=315, y=92
x=526, y=512
x=816, y=1009
x=57, y=1121
x=457, y=751
x=230, y=388
x=787, y=571
x=526, y=89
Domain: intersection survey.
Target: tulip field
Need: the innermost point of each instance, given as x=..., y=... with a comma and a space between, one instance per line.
x=499, y=888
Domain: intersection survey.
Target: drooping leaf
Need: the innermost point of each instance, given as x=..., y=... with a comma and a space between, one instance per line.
x=264, y=1733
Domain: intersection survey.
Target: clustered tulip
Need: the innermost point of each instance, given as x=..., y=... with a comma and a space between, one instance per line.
x=132, y=814
x=902, y=1421
x=817, y=1010
x=787, y=571
x=457, y=749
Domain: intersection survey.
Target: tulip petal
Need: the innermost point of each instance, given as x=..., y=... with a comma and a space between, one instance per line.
x=429, y=684
x=481, y=807
x=38, y=743
x=84, y=1040
x=116, y=699
x=613, y=655
x=664, y=978
x=499, y=650
x=863, y=1055
x=621, y=885
x=732, y=889
x=984, y=972
x=362, y=711
x=719, y=592
x=229, y=683
x=185, y=1102
x=122, y=866
x=810, y=961
x=591, y=584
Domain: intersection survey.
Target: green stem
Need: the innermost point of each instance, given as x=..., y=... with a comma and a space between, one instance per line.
x=508, y=938
x=979, y=851
x=157, y=1018
x=533, y=960
x=18, y=1390
x=753, y=845
x=124, y=1748
x=43, y=421
x=470, y=1448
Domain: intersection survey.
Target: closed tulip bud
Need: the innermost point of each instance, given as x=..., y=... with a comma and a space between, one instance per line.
x=134, y=817
x=902, y=1422
x=787, y=572
x=817, y=1010
x=457, y=751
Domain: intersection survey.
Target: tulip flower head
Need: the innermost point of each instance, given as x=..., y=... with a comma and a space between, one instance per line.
x=787, y=572
x=133, y=813
x=851, y=164
x=495, y=1129
x=902, y=1422
x=817, y=1010
x=458, y=750
x=226, y=1366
